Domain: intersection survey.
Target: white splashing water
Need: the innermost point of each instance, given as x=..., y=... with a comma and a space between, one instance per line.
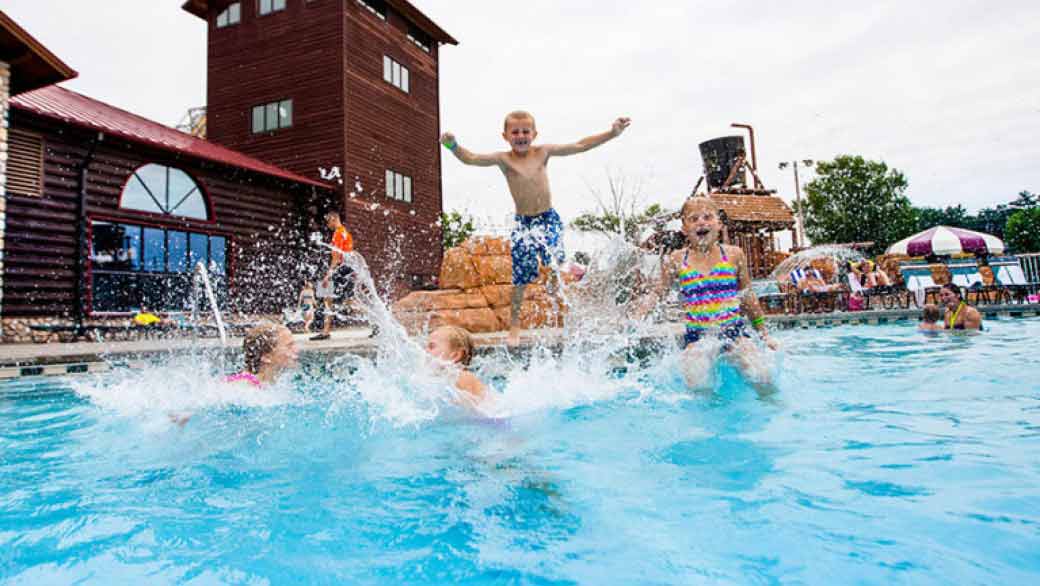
x=589, y=362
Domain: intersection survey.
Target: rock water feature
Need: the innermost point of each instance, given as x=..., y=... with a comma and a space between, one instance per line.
x=475, y=287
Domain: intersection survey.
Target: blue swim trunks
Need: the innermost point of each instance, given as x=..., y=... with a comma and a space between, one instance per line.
x=536, y=238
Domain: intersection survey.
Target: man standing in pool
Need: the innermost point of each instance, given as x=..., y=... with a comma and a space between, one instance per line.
x=715, y=290
x=538, y=233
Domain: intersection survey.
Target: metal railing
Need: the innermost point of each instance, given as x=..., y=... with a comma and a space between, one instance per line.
x=1030, y=266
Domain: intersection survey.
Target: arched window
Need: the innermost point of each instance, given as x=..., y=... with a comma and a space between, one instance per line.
x=164, y=190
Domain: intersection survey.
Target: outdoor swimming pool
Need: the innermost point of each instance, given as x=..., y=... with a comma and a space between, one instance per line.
x=885, y=457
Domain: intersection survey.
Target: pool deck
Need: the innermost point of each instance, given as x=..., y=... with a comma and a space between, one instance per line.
x=18, y=360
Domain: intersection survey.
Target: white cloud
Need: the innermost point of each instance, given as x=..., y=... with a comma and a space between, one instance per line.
x=948, y=92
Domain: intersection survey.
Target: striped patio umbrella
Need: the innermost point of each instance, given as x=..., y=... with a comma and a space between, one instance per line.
x=945, y=240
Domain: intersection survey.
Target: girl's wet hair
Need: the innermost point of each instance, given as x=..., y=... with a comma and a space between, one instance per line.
x=460, y=339
x=698, y=201
x=259, y=342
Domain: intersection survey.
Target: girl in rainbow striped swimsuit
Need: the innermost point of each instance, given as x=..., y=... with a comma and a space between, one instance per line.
x=715, y=290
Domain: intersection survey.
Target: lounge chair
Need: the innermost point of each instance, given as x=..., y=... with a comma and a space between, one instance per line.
x=917, y=278
x=813, y=300
x=1010, y=279
x=965, y=274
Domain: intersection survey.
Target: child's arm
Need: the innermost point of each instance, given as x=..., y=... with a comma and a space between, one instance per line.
x=468, y=157
x=589, y=142
x=749, y=302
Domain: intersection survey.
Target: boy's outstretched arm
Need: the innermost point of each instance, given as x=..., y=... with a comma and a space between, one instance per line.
x=466, y=156
x=589, y=142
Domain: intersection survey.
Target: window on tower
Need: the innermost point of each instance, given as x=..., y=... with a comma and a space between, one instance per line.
x=269, y=6
x=396, y=74
x=272, y=116
x=231, y=15
x=398, y=186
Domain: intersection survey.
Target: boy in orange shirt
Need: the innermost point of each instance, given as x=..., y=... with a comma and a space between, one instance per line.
x=339, y=281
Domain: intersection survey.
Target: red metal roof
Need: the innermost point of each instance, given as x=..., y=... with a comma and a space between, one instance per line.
x=76, y=109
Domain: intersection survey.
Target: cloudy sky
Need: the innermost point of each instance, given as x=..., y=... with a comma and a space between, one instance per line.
x=948, y=92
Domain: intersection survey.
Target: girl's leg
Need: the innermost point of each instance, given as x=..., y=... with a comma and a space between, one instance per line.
x=754, y=365
x=697, y=363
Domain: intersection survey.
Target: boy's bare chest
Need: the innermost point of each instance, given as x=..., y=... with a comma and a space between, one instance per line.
x=528, y=167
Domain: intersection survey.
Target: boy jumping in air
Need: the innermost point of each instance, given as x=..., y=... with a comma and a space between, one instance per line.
x=538, y=234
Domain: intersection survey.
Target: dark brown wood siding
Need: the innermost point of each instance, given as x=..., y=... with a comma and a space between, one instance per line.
x=327, y=55
x=259, y=215
x=293, y=54
x=388, y=128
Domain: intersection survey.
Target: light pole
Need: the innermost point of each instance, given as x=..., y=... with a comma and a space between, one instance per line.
x=800, y=232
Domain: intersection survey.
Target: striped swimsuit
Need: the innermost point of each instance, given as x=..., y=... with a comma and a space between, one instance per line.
x=711, y=301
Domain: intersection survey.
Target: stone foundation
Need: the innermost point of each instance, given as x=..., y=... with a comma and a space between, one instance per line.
x=19, y=330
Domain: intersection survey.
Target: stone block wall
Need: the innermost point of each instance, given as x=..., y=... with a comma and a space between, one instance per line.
x=5, y=96
x=476, y=285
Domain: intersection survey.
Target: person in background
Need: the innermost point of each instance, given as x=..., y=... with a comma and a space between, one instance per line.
x=338, y=283
x=930, y=315
x=959, y=315
x=306, y=305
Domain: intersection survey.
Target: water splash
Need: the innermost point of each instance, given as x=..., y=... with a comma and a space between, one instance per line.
x=839, y=254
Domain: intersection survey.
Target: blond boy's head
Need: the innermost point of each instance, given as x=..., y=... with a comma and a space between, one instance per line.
x=519, y=130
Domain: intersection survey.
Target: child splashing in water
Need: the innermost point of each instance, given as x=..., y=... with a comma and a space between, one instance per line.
x=538, y=234
x=269, y=349
x=453, y=346
x=715, y=289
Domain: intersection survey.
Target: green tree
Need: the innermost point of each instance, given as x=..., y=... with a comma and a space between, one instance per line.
x=455, y=228
x=606, y=222
x=955, y=216
x=852, y=199
x=1023, y=230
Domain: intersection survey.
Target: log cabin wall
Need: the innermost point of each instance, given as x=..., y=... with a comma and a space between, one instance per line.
x=260, y=217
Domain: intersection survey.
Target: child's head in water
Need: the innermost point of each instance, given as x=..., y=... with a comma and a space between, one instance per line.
x=519, y=130
x=930, y=316
x=700, y=221
x=451, y=344
x=269, y=349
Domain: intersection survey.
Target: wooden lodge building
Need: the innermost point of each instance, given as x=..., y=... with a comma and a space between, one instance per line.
x=313, y=105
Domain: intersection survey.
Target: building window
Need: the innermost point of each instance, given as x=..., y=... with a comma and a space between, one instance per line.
x=24, y=163
x=398, y=186
x=231, y=15
x=136, y=266
x=421, y=39
x=376, y=7
x=269, y=6
x=396, y=74
x=159, y=189
x=272, y=116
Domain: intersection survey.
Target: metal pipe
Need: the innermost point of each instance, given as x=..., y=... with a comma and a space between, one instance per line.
x=798, y=204
x=754, y=156
x=78, y=309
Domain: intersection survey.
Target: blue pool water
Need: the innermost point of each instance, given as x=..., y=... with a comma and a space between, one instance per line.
x=885, y=457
